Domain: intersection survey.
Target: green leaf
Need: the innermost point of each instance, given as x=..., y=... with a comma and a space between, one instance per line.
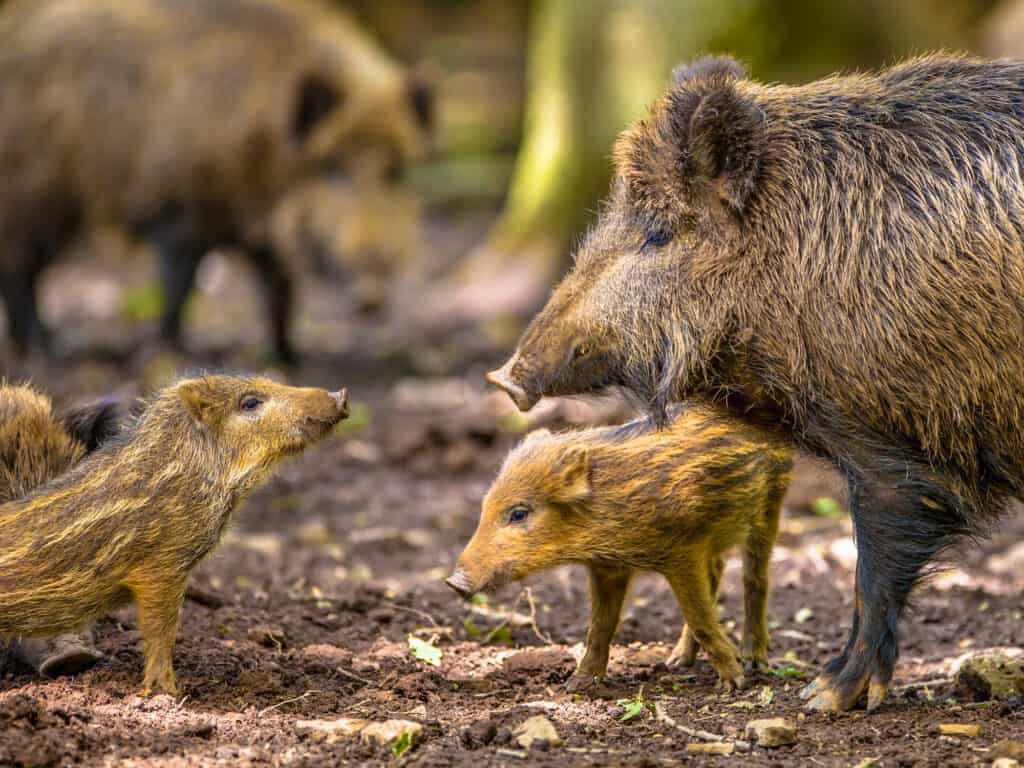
x=471, y=629
x=401, y=744
x=786, y=672
x=424, y=651
x=479, y=599
x=634, y=707
x=500, y=634
x=826, y=506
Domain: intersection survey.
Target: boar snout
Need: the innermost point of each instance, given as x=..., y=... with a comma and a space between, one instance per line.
x=460, y=582
x=502, y=378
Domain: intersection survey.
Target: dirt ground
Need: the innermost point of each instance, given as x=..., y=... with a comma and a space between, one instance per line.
x=305, y=611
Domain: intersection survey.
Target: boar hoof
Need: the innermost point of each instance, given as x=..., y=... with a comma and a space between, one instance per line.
x=582, y=683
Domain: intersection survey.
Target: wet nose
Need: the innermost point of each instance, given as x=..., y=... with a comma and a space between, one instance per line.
x=340, y=399
x=460, y=583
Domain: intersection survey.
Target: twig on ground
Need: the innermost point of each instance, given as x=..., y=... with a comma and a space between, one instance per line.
x=663, y=716
x=485, y=694
x=353, y=676
x=533, y=618
x=417, y=611
x=264, y=711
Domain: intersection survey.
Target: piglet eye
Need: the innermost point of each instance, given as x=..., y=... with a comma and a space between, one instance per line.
x=518, y=513
x=656, y=239
x=250, y=403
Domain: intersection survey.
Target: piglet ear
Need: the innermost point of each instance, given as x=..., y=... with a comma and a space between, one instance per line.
x=537, y=436
x=198, y=400
x=573, y=472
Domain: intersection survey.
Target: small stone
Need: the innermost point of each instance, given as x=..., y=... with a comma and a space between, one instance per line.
x=960, y=729
x=803, y=615
x=992, y=675
x=713, y=748
x=330, y=731
x=772, y=732
x=1005, y=762
x=267, y=635
x=1009, y=748
x=387, y=731
x=479, y=734
x=536, y=729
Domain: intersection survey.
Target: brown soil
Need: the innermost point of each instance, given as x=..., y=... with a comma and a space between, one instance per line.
x=306, y=608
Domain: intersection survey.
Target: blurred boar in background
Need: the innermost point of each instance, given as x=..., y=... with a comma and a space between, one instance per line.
x=184, y=122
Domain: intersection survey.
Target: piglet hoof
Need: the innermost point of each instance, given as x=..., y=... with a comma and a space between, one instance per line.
x=752, y=666
x=680, y=659
x=731, y=678
x=582, y=684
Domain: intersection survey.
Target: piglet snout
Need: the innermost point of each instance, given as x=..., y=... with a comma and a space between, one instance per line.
x=459, y=581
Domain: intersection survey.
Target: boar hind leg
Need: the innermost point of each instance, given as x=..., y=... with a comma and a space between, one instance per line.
x=159, y=606
x=901, y=522
x=178, y=264
x=692, y=589
x=757, y=556
x=685, y=652
x=277, y=290
x=18, y=290
x=607, y=592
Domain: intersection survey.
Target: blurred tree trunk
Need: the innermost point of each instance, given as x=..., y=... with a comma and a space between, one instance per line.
x=593, y=67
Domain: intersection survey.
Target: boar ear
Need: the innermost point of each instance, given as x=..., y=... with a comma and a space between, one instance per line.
x=92, y=424
x=726, y=139
x=573, y=472
x=722, y=66
x=699, y=149
x=198, y=399
x=317, y=97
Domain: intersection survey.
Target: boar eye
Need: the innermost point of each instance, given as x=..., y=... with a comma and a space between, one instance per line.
x=582, y=350
x=249, y=403
x=518, y=513
x=656, y=239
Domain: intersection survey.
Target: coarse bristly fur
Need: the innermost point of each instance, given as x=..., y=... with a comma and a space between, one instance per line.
x=184, y=123
x=844, y=259
x=633, y=498
x=131, y=520
x=37, y=443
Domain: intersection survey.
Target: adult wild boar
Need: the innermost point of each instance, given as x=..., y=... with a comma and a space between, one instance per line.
x=184, y=122
x=844, y=259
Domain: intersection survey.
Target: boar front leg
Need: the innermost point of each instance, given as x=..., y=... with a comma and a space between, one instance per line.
x=692, y=589
x=607, y=592
x=685, y=652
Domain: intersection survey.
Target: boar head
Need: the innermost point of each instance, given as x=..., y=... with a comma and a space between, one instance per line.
x=653, y=292
x=532, y=516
